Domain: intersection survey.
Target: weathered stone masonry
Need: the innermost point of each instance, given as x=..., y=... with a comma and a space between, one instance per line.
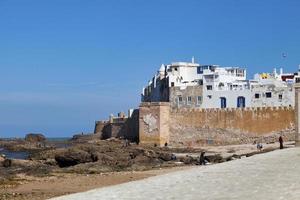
x=160, y=124
x=120, y=127
x=154, y=123
x=297, y=111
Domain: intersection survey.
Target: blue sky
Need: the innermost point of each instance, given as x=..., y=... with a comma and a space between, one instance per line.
x=66, y=63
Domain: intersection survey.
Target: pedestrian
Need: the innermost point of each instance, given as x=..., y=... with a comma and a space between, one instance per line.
x=202, y=158
x=126, y=143
x=280, y=142
x=259, y=146
x=173, y=156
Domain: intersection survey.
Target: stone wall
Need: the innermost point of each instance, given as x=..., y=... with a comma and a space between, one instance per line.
x=99, y=125
x=160, y=124
x=132, y=126
x=189, y=91
x=230, y=126
x=297, y=107
x=154, y=123
x=124, y=127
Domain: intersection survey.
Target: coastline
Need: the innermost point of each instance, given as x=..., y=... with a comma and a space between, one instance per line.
x=60, y=182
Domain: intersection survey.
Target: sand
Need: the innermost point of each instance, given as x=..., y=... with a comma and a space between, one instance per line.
x=62, y=184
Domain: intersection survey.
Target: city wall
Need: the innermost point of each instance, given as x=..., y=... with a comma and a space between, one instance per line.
x=160, y=124
x=120, y=127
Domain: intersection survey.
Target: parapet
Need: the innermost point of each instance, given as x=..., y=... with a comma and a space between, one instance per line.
x=246, y=109
x=147, y=104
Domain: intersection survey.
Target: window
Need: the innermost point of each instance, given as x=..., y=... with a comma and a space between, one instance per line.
x=209, y=96
x=223, y=102
x=209, y=87
x=201, y=82
x=179, y=99
x=268, y=94
x=172, y=84
x=280, y=96
x=256, y=96
x=199, y=100
x=189, y=100
x=221, y=84
x=241, y=102
x=240, y=72
x=200, y=70
x=175, y=69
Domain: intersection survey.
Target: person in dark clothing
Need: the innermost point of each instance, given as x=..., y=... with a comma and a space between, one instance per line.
x=280, y=142
x=203, y=160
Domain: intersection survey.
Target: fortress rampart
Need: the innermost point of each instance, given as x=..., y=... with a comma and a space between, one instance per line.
x=160, y=124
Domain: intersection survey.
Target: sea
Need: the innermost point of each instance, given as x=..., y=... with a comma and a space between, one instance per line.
x=14, y=155
x=58, y=142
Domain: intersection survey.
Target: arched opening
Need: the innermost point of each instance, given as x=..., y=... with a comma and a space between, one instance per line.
x=223, y=102
x=241, y=102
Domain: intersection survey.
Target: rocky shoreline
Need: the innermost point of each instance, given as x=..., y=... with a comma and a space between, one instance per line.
x=92, y=156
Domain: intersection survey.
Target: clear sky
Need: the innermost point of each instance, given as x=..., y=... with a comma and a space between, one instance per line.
x=66, y=63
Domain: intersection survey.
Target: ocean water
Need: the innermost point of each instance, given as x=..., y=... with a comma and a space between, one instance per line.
x=58, y=139
x=58, y=142
x=14, y=155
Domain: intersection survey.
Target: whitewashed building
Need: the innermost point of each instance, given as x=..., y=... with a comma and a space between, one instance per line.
x=185, y=84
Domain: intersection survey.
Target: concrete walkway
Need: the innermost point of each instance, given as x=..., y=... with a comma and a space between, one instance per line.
x=274, y=175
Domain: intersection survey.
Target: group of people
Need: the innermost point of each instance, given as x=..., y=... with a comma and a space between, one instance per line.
x=259, y=145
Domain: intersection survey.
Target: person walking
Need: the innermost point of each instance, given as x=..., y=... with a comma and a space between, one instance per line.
x=280, y=142
x=202, y=158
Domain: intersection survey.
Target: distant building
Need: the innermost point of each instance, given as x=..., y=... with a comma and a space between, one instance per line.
x=192, y=85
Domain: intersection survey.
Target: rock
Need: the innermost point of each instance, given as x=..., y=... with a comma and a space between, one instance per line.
x=83, y=138
x=214, y=158
x=165, y=156
x=24, y=163
x=35, y=137
x=50, y=162
x=187, y=160
x=1, y=159
x=73, y=157
x=7, y=163
x=103, y=158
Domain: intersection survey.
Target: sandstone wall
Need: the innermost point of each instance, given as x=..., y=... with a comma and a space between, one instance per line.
x=132, y=126
x=297, y=116
x=127, y=128
x=154, y=123
x=160, y=124
x=230, y=126
x=99, y=125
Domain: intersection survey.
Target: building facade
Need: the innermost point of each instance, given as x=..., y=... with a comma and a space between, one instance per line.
x=192, y=85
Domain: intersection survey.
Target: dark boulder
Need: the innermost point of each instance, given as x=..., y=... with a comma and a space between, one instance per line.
x=165, y=156
x=103, y=158
x=35, y=137
x=7, y=163
x=214, y=158
x=187, y=160
x=73, y=157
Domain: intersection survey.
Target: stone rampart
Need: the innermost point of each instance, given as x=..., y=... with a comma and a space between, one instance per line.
x=127, y=127
x=160, y=124
x=154, y=123
x=230, y=126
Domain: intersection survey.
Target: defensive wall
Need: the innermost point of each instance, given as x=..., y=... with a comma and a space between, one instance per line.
x=161, y=124
x=119, y=127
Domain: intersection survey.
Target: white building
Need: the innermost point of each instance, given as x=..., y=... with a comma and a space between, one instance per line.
x=211, y=86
